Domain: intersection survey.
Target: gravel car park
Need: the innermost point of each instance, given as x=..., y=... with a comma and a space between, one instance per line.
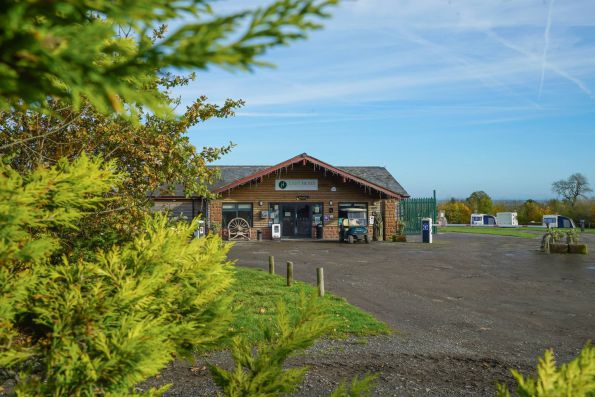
x=465, y=309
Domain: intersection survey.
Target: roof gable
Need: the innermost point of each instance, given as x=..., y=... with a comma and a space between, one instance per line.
x=377, y=178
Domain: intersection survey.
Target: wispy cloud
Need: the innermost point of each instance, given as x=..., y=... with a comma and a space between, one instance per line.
x=276, y=114
x=502, y=120
x=546, y=45
x=545, y=65
x=433, y=74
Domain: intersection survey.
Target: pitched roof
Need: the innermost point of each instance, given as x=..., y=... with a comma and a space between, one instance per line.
x=231, y=173
x=377, y=175
x=377, y=178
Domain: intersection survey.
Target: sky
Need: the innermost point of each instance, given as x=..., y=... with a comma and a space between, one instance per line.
x=451, y=95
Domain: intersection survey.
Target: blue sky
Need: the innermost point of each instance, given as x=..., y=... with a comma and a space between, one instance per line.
x=450, y=95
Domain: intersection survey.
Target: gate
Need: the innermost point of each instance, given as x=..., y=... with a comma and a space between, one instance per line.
x=412, y=210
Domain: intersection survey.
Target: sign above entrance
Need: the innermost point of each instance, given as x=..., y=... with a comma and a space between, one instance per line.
x=296, y=184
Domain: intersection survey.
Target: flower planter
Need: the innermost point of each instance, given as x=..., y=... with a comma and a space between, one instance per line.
x=578, y=249
x=558, y=248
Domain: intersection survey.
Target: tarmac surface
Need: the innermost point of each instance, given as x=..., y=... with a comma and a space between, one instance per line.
x=465, y=310
x=464, y=288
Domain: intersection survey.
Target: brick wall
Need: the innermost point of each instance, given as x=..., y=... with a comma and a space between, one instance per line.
x=331, y=229
x=331, y=232
x=390, y=218
x=215, y=213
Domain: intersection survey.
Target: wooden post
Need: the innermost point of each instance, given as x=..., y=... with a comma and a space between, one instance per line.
x=289, y=273
x=320, y=281
x=271, y=264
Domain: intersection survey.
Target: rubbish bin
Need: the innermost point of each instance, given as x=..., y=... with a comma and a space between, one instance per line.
x=259, y=235
x=319, y=230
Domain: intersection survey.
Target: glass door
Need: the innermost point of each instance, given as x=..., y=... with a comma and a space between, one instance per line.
x=303, y=222
x=297, y=219
x=288, y=220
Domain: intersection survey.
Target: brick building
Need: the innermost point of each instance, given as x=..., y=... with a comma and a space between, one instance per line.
x=298, y=194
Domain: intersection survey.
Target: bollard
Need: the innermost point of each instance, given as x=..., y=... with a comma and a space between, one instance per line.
x=320, y=281
x=271, y=264
x=289, y=273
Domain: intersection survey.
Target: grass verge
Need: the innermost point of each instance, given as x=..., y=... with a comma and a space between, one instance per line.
x=542, y=229
x=256, y=294
x=488, y=230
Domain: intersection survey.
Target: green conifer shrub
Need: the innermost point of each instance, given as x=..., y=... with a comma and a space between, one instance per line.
x=101, y=324
x=574, y=379
x=358, y=387
x=259, y=369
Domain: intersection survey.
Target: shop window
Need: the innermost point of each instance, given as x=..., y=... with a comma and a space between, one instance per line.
x=236, y=210
x=343, y=211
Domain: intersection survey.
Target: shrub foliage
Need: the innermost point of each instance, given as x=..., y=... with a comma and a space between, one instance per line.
x=99, y=325
x=259, y=371
x=103, y=51
x=576, y=378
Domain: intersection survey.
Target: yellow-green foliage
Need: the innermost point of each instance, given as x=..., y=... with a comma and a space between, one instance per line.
x=45, y=201
x=574, y=379
x=99, y=326
x=358, y=387
x=456, y=211
x=259, y=371
x=69, y=49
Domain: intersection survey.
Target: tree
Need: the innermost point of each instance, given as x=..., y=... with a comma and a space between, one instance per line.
x=570, y=189
x=531, y=211
x=102, y=51
x=480, y=202
x=456, y=212
x=151, y=152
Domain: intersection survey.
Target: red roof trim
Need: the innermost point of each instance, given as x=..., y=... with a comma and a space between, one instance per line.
x=305, y=157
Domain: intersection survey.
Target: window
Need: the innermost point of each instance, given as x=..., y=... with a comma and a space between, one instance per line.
x=274, y=213
x=236, y=210
x=550, y=221
x=362, y=217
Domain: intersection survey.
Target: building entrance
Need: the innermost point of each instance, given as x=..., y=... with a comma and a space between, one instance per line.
x=297, y=219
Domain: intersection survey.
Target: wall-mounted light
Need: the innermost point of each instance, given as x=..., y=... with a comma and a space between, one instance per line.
x=330, y=202
x=260, y=203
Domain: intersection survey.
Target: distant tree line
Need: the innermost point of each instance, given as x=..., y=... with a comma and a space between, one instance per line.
x=572, y=201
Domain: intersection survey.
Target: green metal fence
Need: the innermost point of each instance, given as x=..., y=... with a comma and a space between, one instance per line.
x=412, y=210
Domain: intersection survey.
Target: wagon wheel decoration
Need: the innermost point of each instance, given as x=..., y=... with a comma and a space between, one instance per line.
x=238, y=229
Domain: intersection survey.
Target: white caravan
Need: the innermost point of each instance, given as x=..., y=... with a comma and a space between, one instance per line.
x=507, y=219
